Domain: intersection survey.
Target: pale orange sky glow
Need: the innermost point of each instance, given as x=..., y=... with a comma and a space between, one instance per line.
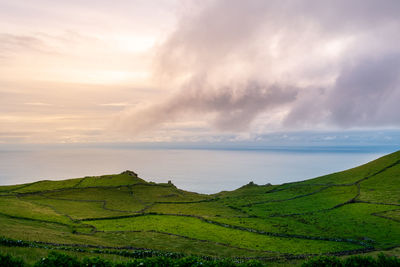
x=162, y=70
x=68, y=68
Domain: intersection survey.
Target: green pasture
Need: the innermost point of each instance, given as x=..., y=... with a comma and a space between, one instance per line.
x=205, y=209
x=116, y=200
x=198, y=229
x=383, y=188
x=48, y=185
x=357, y=173
x=18, y=207
x=110, y=180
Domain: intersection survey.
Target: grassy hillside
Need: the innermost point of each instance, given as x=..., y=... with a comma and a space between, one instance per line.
x=349, y=212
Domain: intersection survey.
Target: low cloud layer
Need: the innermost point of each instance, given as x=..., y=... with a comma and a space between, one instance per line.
x=302, y=64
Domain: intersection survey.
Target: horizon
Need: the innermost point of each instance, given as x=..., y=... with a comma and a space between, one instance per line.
x=196, y=169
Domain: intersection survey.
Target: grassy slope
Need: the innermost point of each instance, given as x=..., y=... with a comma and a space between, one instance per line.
x=354, y=209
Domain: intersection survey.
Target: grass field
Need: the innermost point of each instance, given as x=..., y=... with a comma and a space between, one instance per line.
x=349, y=212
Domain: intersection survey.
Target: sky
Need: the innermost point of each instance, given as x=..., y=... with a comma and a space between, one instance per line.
x=194, y=71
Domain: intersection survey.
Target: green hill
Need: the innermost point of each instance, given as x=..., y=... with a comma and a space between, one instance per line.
x=349, y=212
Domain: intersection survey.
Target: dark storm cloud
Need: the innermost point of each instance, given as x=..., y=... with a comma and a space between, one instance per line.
x=282, y=44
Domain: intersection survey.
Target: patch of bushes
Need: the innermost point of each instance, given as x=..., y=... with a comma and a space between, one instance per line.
x=8, y=261
x=55, y=259
x=323, y=261
x=14, y=243
x=354, y=261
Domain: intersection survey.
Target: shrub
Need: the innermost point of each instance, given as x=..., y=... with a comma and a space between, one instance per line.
x=9, y=261
x=353, y=261
x=55, y=259
x=359, y=261
x=253, y=263
x=387, y=261
x=96, y=262
x=191, y=261
x=323, y=261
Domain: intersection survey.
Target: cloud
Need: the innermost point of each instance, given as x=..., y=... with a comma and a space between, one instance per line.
x=40, y=104
x=114, y=104
x=367, y=93
x=11, y=44
x=315, y=63
x=11, y=41
x=232, y=108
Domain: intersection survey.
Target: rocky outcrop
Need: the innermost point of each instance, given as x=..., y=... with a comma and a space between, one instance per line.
x=130, y=173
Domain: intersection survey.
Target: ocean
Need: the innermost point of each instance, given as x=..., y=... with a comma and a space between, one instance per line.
x=199, y=170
